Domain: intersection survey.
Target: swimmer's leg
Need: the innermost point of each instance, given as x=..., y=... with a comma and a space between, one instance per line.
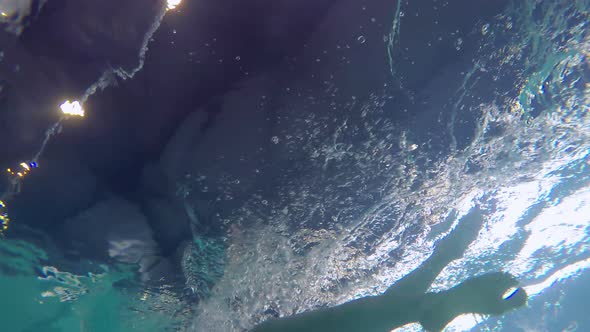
x=446, y=250
x=368, y=314
x=483, y=295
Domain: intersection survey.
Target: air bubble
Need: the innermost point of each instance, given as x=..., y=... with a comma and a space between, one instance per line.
x=485, y=28
x=458, y=44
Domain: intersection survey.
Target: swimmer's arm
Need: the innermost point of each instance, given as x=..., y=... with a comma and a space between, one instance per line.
x=368, y=314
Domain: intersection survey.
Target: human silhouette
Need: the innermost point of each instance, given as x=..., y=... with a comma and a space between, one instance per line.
x=408, y=301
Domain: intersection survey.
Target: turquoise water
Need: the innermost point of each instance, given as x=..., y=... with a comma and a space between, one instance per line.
x=37, y=297
x=526, y=158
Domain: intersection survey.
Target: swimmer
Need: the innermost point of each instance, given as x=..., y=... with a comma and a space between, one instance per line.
x=408, y=301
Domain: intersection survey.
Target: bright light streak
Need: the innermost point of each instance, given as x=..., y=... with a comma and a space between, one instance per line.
x=72, y=108
x=173, y=4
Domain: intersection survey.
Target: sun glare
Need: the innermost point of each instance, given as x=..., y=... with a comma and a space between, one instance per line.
x=173, y=4
x=72, y=108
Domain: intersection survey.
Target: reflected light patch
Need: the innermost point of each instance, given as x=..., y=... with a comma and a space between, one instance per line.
x=464, y=322
x=72, y=108
x=569, y=271
x=171, y=4
x=561, y=227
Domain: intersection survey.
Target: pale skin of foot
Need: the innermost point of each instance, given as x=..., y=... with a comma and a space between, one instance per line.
x=407, y=301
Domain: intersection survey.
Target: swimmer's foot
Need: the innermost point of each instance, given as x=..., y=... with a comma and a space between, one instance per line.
x=489, y=294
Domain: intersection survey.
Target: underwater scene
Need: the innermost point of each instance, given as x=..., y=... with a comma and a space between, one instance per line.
x=280, y=165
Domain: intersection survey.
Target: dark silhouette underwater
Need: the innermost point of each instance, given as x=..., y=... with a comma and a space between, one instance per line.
x=408, y=301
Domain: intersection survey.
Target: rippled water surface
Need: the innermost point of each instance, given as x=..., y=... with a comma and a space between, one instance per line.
x=374, y=195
